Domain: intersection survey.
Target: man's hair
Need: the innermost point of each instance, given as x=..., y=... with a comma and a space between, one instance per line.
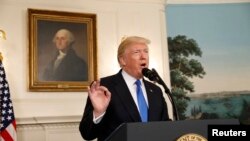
x=127, y=41
x=69, y=35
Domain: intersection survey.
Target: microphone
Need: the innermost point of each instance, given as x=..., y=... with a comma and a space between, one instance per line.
x=152, y=75
x=148, y=73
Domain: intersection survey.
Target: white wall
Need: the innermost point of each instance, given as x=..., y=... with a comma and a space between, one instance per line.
x=36, y=111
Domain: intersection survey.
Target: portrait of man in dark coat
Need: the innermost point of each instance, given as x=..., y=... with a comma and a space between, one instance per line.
x=66, y=65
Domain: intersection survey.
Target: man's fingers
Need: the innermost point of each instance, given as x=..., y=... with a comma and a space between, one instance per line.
x=105, y=90
x=97, y=90
x=97, y=84
x=92, y=87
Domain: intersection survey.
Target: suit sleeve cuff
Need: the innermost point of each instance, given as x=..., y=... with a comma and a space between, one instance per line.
x=98, y=119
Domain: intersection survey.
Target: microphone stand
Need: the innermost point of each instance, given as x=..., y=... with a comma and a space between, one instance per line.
x=167, y=91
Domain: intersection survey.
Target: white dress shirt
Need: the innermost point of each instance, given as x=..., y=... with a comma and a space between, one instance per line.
x=59, y=59
x=130, y=81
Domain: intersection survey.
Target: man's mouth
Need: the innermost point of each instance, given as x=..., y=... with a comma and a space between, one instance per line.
x=143, y=65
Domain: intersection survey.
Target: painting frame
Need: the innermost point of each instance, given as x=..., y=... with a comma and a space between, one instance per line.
x=42, y=27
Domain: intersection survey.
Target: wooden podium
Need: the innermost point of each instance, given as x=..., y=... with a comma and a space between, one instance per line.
x=165, y=130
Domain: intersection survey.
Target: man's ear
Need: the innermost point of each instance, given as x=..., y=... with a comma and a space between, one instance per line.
x=122, y=61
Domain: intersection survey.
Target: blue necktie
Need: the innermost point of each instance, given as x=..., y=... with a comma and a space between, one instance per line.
x=143, y=108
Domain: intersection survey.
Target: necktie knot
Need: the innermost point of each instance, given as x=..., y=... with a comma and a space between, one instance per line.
x=138, y=83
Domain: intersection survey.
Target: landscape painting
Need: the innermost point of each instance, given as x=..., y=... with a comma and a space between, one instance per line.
x=209, y=47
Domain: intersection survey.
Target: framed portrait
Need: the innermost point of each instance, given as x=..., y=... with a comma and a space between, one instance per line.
x=62, y=50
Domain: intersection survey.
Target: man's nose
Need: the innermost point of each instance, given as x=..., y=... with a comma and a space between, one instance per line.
x=144, y=55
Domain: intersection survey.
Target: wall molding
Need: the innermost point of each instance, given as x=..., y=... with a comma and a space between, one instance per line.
x=48, y=126
x=49, y=120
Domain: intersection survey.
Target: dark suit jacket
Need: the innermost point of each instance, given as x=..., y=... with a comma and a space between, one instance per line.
x=122, y=108
x=72, y=68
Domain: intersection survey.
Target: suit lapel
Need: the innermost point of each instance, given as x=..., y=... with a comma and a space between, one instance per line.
x=126, y=98
x=151, y=100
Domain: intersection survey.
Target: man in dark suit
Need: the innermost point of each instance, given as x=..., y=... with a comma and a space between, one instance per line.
x=66, y=66
x=112, y=100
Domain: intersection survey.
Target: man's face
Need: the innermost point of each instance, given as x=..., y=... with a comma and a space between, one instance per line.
x=61, y=40
x=135, y=58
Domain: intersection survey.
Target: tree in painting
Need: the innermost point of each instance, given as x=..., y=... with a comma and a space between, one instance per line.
x=182, y=67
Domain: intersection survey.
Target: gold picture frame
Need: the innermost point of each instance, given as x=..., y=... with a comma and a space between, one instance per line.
x=77, y=72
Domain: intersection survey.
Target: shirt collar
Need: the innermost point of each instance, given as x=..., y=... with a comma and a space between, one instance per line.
x=128, y=78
